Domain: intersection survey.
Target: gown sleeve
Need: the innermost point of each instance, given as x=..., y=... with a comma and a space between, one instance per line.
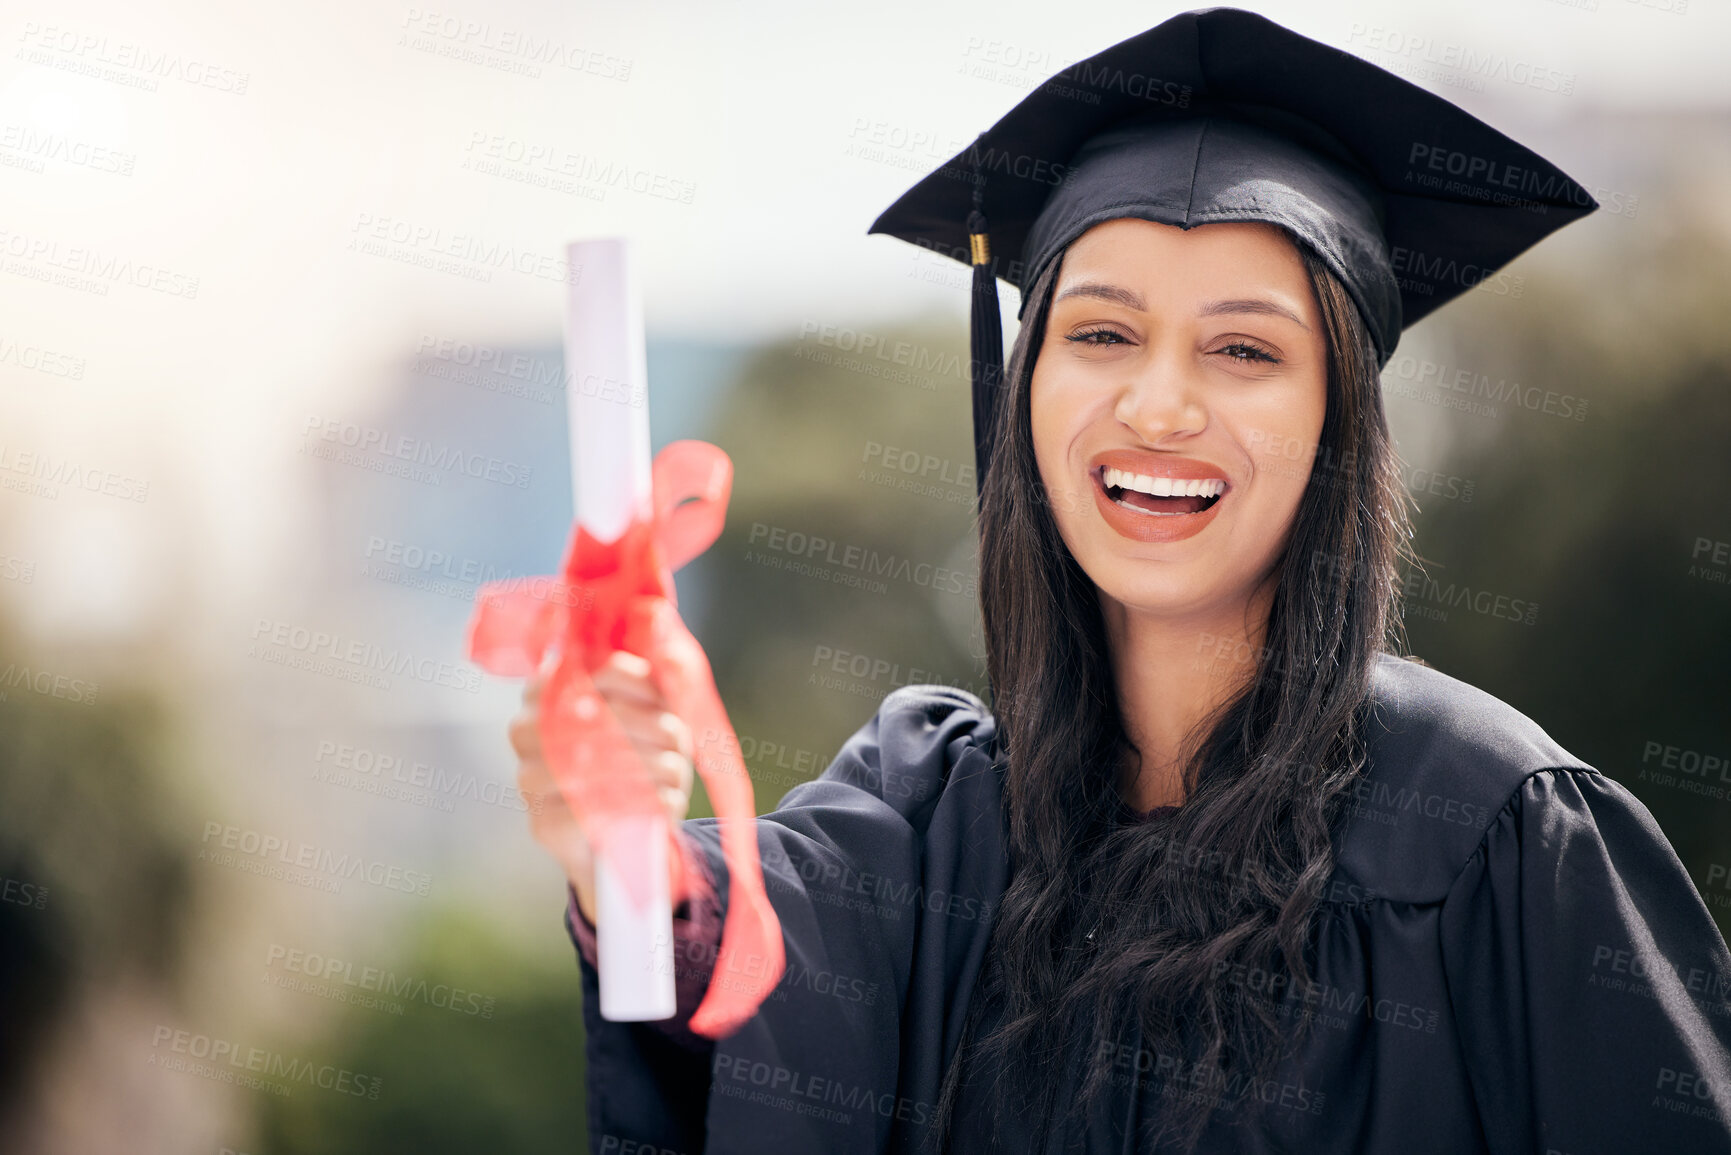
x=1587, y=979
x=816, y=1069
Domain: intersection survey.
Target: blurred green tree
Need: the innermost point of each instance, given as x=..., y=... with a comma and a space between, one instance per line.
x=507, y=1078
x=850, y=539
x=96, y=882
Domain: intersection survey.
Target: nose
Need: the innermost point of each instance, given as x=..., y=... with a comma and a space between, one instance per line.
x=1162, y=402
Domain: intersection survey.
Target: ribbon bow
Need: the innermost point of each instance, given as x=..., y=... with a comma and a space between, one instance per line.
x=620, y=596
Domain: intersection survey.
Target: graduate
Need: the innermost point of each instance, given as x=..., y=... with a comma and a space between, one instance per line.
x=1217, y=870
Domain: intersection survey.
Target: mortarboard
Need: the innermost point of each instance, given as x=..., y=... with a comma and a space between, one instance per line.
x=1223, y=115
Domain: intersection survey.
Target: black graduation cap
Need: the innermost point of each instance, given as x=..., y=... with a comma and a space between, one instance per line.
x=1223, y=115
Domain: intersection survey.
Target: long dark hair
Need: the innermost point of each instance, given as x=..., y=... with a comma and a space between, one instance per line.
x=1182, y=907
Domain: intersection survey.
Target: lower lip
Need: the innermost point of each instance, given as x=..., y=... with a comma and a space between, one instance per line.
x=1151, y=526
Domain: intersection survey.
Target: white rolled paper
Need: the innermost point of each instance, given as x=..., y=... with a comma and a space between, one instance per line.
x=607, y=403
x=606, y=387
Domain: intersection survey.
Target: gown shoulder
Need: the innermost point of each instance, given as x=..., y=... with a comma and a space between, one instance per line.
x=1445, y=758
x=1535, y=905
x=903, y=756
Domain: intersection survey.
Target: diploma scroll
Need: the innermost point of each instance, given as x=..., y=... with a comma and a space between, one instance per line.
x=607, y=409
x=637, y=521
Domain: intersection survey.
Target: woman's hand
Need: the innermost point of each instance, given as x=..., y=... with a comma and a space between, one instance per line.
x=661, y=738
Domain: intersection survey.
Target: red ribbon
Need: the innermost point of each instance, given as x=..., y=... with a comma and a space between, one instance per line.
x=620, y=596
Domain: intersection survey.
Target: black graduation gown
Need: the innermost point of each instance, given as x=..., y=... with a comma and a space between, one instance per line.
x=1510, y=959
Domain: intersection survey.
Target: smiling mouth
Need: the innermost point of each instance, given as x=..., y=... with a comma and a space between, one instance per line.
x=1159, y=496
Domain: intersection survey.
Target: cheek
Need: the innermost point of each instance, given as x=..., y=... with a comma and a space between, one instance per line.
x=1281, y=440
x=1049, y=422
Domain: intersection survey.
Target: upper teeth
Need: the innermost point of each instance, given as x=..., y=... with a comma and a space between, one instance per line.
x=1165, y=486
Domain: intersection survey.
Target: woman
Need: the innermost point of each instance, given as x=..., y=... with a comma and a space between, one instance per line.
x=1217, y=871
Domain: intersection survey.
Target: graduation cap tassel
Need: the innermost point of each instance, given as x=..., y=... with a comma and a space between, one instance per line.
x=986, y=340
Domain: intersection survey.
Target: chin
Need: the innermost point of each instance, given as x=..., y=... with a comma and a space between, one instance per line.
x=1196, y=587
x=1180, y=591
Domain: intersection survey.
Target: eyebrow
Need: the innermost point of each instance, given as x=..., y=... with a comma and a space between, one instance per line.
x=1257, y=305
x=1105, y=292
x=1133, y=300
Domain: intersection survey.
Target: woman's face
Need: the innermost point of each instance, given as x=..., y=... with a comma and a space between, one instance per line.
x=1176, y=404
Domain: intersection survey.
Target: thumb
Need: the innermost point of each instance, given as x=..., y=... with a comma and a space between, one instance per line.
x=653, y=630
x=677, y=662
x=645, y=625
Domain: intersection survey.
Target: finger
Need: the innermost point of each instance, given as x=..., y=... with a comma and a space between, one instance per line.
x=657, y=750
x=535, y=780
x=681, y=666
x=625, y=662
x=627, y=676
x=652, y=625
x=545, y=811
x=525, y=734
x=682, y=738
x=537, y=681
x=652, y=728
x=675, y=802
x=668, y=769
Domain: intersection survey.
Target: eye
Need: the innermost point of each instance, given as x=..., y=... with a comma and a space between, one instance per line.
x=1087, y=336
x=1243, y=351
